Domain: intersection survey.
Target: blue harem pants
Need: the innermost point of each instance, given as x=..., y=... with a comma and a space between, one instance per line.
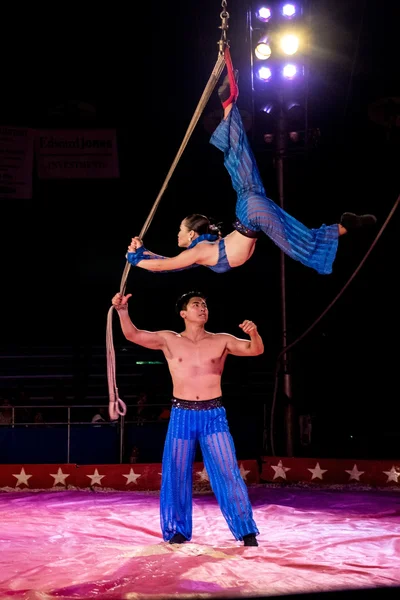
x=210, y=428
x=315, y=248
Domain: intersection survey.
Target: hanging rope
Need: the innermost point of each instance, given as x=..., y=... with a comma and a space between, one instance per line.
x=278, y=363
x=116, y=406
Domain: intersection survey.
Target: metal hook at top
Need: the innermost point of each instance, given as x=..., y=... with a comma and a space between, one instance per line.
x=224, y=15
x=224, y=18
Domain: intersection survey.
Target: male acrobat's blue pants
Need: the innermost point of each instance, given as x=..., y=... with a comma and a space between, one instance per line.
x=210, y=428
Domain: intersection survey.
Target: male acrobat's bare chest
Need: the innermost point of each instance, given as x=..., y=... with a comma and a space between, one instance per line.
x=205, y=355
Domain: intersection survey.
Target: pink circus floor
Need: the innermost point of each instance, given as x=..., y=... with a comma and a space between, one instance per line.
x=74, y=544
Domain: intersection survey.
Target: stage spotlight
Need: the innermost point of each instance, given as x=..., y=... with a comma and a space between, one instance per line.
x=290, y=44
x=268, y=138
x=262, y=50
x=266, y=122
x=264, y=14
x=264, y=73
x=288, y=10
x=289, y=71
x=295, y=112
x=268, y=108
x=278, y=74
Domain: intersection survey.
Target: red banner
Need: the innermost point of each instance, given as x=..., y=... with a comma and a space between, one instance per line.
x=140, y=476
x=330, y=471
x=76, y=154
x=117, y=477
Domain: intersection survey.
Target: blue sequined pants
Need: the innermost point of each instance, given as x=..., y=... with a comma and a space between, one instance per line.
x=315, y=248
x=193, y=422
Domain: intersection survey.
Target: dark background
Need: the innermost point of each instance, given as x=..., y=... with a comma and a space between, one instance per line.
x=144, y=69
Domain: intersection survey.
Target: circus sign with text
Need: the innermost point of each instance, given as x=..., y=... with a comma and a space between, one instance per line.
x=76, y=154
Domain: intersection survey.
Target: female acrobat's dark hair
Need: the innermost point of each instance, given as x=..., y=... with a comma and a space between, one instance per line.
x=202, y=224
x=182, y=302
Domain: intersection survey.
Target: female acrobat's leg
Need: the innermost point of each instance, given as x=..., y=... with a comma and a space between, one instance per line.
x=315, y=248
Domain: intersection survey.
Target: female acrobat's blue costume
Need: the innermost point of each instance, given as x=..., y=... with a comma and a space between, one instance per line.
x=315, y=248
x=255, y=212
